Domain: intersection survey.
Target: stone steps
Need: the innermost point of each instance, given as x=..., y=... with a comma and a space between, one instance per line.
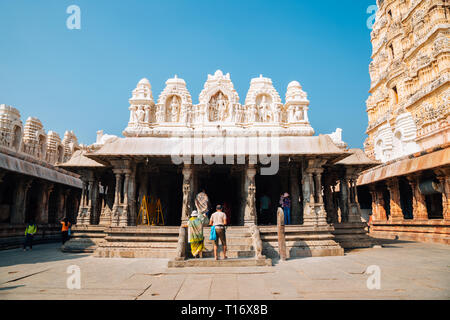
x=208, y=262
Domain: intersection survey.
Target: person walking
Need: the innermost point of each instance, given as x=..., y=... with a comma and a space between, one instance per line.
x=285, y=202
x=219, y=221
x=195, y=233
x=65, y=230
x=202, y=202
x=30, y=231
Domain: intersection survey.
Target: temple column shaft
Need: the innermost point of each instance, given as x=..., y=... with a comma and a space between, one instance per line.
x=394, y=192
x=419, y=204
x=187, y=193
x=295, y=195
x=443, y=176
x=250, y=205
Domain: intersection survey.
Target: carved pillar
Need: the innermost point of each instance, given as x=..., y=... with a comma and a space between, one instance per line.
x=116, y=207
x=354, y=210
x=20, y=200
x=250, y=204
x=132, y=198
x=419, y=205
x=143, y=192
x=46, y=189
x=319, y=196
x=311, y=188
x=123, y=218
x=344, y=203
x=295, y=195
x=187, y=193
x=394, y=192
x=328, y=190
x=376, y=210
x=443, y=176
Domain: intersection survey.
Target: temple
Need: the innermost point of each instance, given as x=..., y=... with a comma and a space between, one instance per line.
x=408, y=129
x=172, y=149
x=31, y=186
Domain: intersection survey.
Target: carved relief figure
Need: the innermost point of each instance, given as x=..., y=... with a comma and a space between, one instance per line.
x=212, y=110
x=278, y=113
x=174, y=109
x=140, y=114
x=265, y=111
x=298, y=114
x=222, y=105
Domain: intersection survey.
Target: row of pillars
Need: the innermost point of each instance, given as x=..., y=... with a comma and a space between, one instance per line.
x=419, y=204
x=21, y=195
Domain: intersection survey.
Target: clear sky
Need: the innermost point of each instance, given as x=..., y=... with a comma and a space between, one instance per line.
x=81, y=80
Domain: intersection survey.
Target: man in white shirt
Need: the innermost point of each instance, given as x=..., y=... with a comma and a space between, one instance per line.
x=219, y=221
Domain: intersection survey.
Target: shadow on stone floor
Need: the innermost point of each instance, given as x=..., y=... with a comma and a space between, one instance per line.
x=11, y=287
x=40, y=254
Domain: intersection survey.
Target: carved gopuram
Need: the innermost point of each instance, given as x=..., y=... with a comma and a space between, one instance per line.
x=173, y=149
x=31, y=187
x=408, y=109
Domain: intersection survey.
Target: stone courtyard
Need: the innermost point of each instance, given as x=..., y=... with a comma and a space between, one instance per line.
x=409, y=270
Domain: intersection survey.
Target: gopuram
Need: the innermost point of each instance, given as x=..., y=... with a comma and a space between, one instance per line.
x=408, y=129
x=237, y=152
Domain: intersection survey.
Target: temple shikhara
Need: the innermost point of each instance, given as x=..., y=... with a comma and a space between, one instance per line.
x=408, y=109
x=130, y=196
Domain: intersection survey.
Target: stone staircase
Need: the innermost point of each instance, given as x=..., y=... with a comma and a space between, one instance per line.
x=139, y=242
x=301, y=241
x=240, y=252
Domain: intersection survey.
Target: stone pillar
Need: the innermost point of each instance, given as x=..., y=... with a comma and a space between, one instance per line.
x=115, y=211
x=250, y=203
x=419, y=205
x=344, y=203
x=46, y=189
x=187, y=193
x=394, y=192
x=295, y=195
x=132, y=198
x=329, y=204
x=443, y=175
x=20, y=200
x=319, y=196
x=311, y=188
x=376, y=210
x=123, y=219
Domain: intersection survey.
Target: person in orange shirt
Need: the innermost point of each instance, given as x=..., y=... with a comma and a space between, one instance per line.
x=65, y=230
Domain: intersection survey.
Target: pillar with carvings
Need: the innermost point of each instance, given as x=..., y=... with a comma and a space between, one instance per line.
x=116, y=207
x=123, y=218
x=20, y=199
x=187, y=192
x=344, y=201
x=250, y=203
x=295, y=195
x=419, y=205
x=443, y=176
x=394, y=192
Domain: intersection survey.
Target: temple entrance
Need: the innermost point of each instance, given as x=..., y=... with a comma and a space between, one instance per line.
x=270, y=186
x=223, y=187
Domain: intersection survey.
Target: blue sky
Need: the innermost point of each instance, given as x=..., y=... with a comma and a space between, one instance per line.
x=81, y=80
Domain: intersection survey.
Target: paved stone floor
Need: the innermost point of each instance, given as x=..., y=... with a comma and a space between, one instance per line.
x=408, y=271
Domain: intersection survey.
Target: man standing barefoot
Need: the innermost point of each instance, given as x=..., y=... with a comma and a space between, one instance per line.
x=219, y=221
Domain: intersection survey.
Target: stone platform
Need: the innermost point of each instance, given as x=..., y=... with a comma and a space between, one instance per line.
x=301, y=241
x=436, y=231
x=353, y=235
x=211, y=262
x=139, y=242
x=84, y=239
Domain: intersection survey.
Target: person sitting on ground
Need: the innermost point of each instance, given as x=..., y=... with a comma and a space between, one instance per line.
x=219, y=221
x=30, y=231
x=65, y=230
x=195, y=233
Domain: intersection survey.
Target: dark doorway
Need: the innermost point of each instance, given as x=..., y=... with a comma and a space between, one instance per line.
x=434, y=206
x=32, y=202
x=406, y=198
x=272, y=187
x=387, y=202
x=223, y=187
